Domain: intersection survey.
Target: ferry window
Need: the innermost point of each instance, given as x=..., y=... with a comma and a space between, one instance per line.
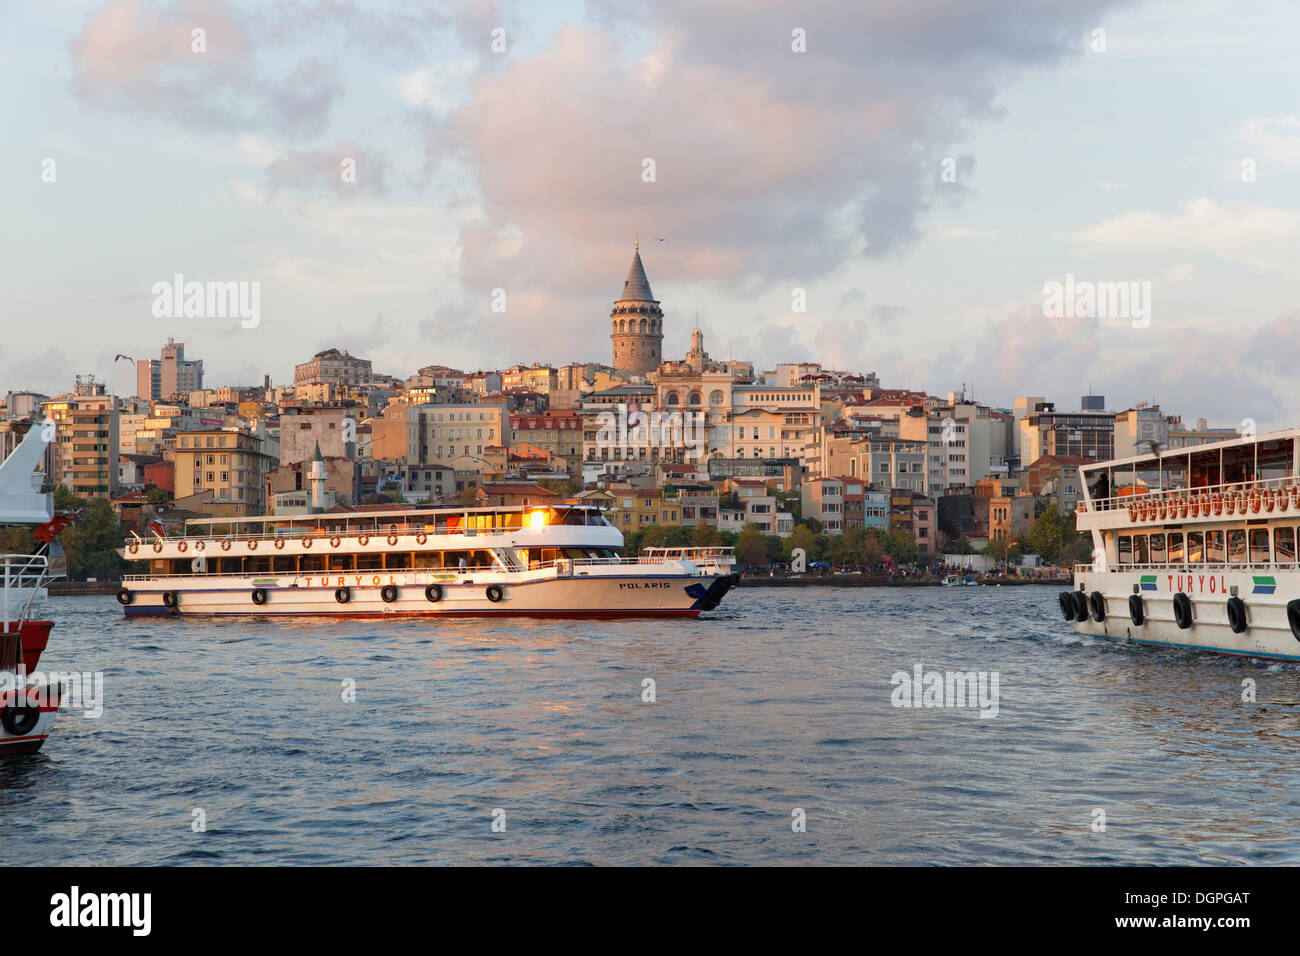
x=1175, y=547
x=1139, y=549
x=1284, y=545
x=1157, y=549
x=455, y=559
x=399, y=561
x=284, y=563
x=311, y=563
x=1259, y=546
x=228, y=565
x=1195, y=547
x=1125, y=549
x=160, y=568
x=428, y=559
x=260, y=564
x=1214, y=547
x=341, y=562
x=1237, y=546
x=370, y=561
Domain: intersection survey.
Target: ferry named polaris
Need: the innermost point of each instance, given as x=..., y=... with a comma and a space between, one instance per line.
x=1195, y=548
x=559, y=561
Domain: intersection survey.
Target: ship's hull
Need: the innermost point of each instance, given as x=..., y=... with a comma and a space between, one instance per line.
x=1264, y=594
x=598, y=596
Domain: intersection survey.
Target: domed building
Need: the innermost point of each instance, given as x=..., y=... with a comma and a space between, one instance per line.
x=636, y=323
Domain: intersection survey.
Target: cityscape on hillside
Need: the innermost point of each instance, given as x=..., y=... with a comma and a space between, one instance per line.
x=659, y=443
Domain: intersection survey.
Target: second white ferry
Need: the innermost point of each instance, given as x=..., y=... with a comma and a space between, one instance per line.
x=1194, y=548
x=536, y=561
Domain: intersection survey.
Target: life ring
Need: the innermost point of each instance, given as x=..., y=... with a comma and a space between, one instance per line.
x=1097, y=604
x=363, y=540
x=392, y=540
x=494, y=593
x=1256, y=500
x=1182, y=610
x=252, y=544
x=170, y=598
x=335, y=541
x=389, y=594
x=1132, y=513
x=124, y=597
x=1236, y=614
x=259, y=596
x=1182, y=508
x=225, y=545
x=279, y=544
x=1241, y=502
x=157, y=546
x=181, y=546
x=133, y=547
x=20, y=719
x=342, y=595
x=1283, y=500
x=306, y=542
x=1135, y=610
x=1270, y=501
x=421, y=537
x=200, y=546
x=433, y=593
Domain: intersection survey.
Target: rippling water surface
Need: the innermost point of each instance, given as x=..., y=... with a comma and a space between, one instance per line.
x=781, y=699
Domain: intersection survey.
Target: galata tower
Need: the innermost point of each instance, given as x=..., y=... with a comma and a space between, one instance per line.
x=637, y=323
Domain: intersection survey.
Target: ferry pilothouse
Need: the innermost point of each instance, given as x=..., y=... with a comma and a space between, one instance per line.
x=557, y=560
x=1194, y=547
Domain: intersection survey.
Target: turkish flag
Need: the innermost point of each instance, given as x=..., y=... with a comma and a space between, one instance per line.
x=50, y=530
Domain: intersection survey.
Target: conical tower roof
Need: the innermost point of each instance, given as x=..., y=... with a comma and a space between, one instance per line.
x=637, y=286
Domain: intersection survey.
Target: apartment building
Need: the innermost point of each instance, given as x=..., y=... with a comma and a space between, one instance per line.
x=230, y=464
x=85, y=459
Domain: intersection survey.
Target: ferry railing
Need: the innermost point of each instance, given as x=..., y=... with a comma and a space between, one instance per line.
x=409, y=529
x=1194, y=567
x=1264, y=496
x=22, y=572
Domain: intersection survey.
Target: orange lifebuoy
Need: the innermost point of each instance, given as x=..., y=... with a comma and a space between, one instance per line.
x=1283, y=499
x=306, y=542
x=157, y=546
x=133, y=547
x=225, y=545
x=363, y=540
x=1132, y=513
x=181, y=546
x=334, y=541
x=200, y=546
x=279, y=544
x=392, y=540
x=421, y=538
x=252, y=544
x=1217, y=504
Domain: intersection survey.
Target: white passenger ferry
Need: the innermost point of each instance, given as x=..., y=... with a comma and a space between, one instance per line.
x=537, y=561
x=1194, y=548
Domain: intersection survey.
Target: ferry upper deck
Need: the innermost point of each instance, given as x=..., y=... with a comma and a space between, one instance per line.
x=1251, y=476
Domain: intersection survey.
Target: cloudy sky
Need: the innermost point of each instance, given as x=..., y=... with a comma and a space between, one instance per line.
x=920, y=170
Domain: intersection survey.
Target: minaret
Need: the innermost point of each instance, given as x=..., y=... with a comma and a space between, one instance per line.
x=637, y=333
x=316, y=476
